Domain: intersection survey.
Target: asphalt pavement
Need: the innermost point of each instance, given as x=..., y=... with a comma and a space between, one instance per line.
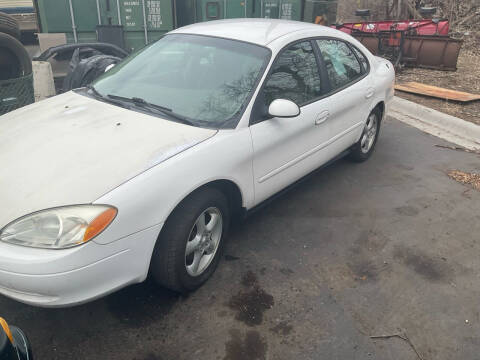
x=387, y=247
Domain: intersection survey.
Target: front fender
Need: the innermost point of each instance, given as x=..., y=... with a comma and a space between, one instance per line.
x=149, y=198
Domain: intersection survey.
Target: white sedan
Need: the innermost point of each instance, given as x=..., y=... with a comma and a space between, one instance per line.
x=142, y=171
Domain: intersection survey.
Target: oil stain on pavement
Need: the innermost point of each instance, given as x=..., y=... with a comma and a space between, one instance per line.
x=423, y=264
x=250, y=303
x=249, y=279
x=362, y=260
x=251, y=346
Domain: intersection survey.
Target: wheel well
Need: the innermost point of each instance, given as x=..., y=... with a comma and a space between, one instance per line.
x=229, y=189
x=381, y=107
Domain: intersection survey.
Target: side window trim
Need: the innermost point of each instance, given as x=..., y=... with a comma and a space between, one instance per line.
x=256, y=112
x=326, y=86
x=363, y=75
x=354, y=49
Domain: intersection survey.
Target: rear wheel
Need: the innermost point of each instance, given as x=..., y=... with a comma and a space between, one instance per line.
x=190, y=245
x=364, y=147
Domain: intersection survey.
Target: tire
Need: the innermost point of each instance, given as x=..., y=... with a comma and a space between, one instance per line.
x=365, y=146
x=171, y=267
x=87, y=70
x=9, y=25
x=14, y=59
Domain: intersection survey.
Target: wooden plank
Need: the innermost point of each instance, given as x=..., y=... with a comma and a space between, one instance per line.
x=437, y=92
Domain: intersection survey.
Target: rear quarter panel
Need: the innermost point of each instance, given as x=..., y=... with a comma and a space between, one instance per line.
x=383, y=74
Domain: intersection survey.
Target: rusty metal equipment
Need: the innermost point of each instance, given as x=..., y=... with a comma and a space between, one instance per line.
x=413, y=27
x=431, y=52
x=417, y=43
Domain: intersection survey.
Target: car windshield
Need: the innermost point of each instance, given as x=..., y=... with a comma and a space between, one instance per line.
x=205, y=80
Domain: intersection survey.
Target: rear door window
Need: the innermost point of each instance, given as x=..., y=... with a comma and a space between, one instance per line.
x=341, y=63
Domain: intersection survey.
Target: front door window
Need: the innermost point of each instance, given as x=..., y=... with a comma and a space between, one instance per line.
x=294, y=76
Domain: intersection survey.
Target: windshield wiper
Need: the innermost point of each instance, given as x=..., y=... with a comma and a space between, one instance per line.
x=138, y=101
x=146, y=105
x=95, y=92
x=103, y=97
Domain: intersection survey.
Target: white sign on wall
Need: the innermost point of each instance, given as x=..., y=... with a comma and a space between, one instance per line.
x=154, y=16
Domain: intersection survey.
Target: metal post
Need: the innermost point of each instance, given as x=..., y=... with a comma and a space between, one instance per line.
x=245, y=4
x=119, y=14
x=175, y=20
x=74, y=27
x=224, y=9
x=195, y=11
x=98, y=13
x=280, y=10
x=145, y=22
x=261, y=8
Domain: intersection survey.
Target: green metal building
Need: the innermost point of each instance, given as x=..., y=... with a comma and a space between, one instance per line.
x=142, y=21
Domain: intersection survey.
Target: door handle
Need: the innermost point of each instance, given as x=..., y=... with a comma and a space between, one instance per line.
x=322, y=117
x=370, y=93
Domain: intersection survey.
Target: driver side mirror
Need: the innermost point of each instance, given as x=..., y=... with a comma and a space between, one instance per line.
x=283, y=108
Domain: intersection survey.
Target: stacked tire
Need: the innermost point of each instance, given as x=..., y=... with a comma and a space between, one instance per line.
x=9, y=25
x=16, y=79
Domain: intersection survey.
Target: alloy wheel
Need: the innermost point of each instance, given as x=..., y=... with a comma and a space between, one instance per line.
x=203, y=241
x=369, y=133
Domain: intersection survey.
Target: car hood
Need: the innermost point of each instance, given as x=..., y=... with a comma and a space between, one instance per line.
x=72, y=149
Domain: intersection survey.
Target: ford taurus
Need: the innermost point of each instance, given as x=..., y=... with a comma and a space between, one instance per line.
x=142, y=171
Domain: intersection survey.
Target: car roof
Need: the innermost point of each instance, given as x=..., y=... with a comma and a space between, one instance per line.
x=253, y=30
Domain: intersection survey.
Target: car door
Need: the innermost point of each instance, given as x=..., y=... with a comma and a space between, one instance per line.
x=285, y=149
x=351, y=91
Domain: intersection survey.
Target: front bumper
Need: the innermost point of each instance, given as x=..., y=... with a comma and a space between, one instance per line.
x=56, y=278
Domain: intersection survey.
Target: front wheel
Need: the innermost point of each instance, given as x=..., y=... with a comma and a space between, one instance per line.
x=190, y=245
x=364, y=147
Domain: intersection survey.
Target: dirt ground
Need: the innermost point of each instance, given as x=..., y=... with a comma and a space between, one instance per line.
x=466, y=78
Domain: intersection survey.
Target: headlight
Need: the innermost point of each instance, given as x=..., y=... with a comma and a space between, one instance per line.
x=59, y=228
